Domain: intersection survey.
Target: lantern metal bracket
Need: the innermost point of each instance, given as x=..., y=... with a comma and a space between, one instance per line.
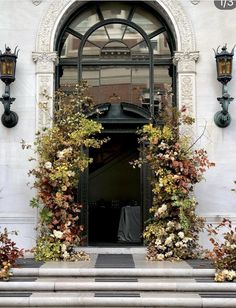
x=9, y=118
x=222, y=118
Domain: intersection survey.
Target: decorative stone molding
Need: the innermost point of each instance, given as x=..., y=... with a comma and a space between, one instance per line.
x=17, y=218
x=36, y=2
x=194, y=1
x=45, y=66
x=181, y=22
x=185, y=57
x=186, y=61
x=172, y=9
x=48, y=24
x=216, y=218
x=186, y=68
x=45, y=61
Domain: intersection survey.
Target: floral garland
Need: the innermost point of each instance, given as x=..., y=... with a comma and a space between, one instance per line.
x=173, y=228
x=60, y=161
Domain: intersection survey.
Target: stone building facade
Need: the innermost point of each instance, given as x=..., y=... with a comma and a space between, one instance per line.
x=197, y=27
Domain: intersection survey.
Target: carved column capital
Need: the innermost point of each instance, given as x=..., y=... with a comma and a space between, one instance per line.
x=45, y=61
x=185, y=61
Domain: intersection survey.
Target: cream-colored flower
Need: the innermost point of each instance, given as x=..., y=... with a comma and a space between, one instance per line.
x=168, y=254
x=63, y=247
x=58, y=234
x=178, y=244
x=60, y=154
x=48, y=165
x=160, y=257
x=170, y=224
x=168, y=241
x=71, y=173
x=181, y=234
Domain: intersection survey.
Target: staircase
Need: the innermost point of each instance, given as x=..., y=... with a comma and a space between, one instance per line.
x=116, y=280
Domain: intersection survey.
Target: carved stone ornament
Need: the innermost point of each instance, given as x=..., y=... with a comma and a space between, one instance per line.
x=194, y=1
x=171, y=8
x=182, y=23
x=36, y=2
x=186, y=60
x=45, y=61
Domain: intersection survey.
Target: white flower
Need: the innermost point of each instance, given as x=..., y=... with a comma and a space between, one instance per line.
x=63, y=247
x=60, y=154
x=66, y=255
x=181, y=235
x=158, y=242
x=187, y=239
x=48, y=165
x=71, y=173
x=178, y=244
x=57, y=234
x=231, y=275
x=170, y=224
x=160, y=257
x=168, y=254
x=168, y=241
x=162, y=209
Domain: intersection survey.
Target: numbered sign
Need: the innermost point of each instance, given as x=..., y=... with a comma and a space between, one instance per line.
x=225, y=4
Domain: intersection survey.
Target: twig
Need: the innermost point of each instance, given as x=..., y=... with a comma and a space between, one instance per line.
x=203, y=132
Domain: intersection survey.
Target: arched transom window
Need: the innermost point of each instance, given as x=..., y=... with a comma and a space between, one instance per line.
x=123, y=49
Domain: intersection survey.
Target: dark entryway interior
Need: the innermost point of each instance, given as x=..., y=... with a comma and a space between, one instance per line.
x=114, y=214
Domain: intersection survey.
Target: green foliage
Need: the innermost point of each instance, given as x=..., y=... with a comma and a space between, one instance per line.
x=172, y=231
x=48, y=249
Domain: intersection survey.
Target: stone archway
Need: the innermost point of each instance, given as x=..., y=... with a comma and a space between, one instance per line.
x=45, y=56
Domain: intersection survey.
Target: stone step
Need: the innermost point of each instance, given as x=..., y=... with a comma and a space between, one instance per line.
x=76, y=300
x=58, y=285
x=111, y=272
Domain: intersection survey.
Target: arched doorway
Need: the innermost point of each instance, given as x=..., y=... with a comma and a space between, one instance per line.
x=55, y=24
x=124, y=50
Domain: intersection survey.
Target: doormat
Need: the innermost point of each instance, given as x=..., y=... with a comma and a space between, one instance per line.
x=115, y=261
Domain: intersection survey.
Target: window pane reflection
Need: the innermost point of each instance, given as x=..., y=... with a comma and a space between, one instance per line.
x=70, y=47
x=115, y=84
x=92, y=75
x=69, y=75
x=160, y=45
x=140, y=85
x=162, y=88
x=99, y=37
x=115, y=10
x=146, y=20
x=85, y=20
x=132, y=37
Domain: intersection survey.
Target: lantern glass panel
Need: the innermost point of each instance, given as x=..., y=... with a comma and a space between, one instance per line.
x=221, y=67
x=7, y=69
x=228, y=66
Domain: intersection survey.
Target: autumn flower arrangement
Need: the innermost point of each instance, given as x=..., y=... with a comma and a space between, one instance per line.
x=172, y=230
x=223, y=255
x=61, y=158
x=9, y=253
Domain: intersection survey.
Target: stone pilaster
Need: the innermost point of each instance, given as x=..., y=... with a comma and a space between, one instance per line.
x=186, y=81
x=45, y=67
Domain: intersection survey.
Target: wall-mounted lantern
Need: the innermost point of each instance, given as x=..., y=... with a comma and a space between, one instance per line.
x=7, y=75
x=224, y=62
